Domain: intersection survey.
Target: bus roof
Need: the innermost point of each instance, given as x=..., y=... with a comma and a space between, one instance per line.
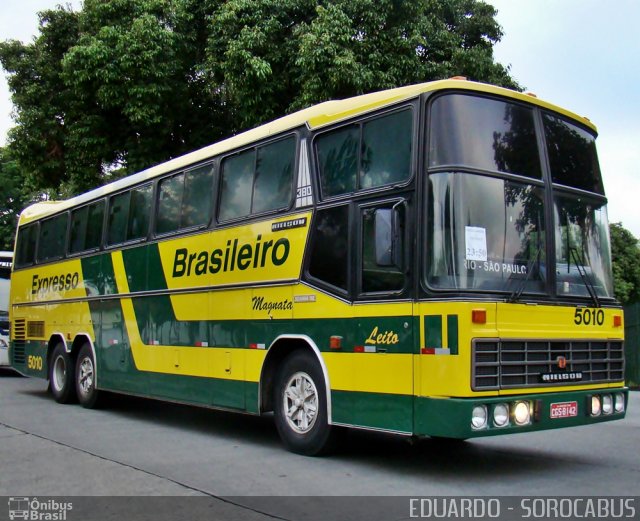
x=313, y=117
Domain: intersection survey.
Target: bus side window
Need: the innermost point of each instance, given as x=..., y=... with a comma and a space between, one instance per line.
x=197, y=198
x=139, y=211
x=118, y=215
x=272, y=186
x=26, y=245
x=257, y=180
x=169, y=201
x=329, y=255
x=366, y=155
x=236, y=185
x=52, y=243
x=338, y=157
x=86, y=227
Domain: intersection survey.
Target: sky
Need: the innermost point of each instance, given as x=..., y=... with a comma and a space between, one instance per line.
x=580, y=54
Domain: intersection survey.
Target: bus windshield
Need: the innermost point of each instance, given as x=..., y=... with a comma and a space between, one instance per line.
x=487, y=196
x=474, y=245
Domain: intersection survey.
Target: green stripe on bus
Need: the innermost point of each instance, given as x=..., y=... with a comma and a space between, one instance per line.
x=452, y=333
x=373, y=410
x=433, y=331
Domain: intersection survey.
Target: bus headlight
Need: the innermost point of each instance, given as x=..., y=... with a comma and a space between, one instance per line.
x=501, y=414
x=479, y=417
x=522, y=413
x=619, y=402
x=595, y=406
x=607, y=404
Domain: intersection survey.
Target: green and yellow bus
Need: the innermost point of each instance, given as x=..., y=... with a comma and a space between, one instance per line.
x=431, y=260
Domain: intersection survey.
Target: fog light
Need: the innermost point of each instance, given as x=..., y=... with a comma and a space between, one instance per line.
x=479, y=417
x=619, y=402
x=595, y=406
x=501, y=414
x=607, y=404
x=522, y=413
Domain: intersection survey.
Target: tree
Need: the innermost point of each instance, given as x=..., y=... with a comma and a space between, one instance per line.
x=40, y=98
x=124, y=84
x=15, y=198
x=625, y=253
x=271, y=57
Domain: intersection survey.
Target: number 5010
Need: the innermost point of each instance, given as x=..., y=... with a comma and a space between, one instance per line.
x=588, y=317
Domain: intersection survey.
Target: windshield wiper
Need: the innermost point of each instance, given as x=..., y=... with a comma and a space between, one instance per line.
x=515, y=295
x=583, y=275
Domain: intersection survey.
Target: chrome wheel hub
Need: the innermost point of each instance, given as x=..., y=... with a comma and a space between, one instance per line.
x=300, y=402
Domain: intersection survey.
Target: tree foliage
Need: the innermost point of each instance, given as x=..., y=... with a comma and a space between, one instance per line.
x=625, y=251
x=124, y=84
x=15, y=197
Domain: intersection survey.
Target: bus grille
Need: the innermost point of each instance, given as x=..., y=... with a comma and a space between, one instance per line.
x=19, y=341
x=508, y=364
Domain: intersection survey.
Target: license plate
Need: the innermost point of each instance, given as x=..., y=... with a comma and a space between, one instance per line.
x=564, y=410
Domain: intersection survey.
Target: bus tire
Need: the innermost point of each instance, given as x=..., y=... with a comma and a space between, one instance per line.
x=300, y=406
x=61, y=375
x=85, y=379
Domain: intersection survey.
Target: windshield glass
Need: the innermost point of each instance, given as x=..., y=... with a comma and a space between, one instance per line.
x=572, y=155
x=486, y=234
x=582, y=244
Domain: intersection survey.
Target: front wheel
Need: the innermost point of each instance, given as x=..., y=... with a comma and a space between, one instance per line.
x=88, y=395
x=61, y=375
x=301, y=406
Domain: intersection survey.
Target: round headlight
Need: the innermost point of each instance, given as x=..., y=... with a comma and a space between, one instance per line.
x=500, y=414
x=607, y=404
x=619, y=402
x=479, y=417
x=595, y=406
x=522, y=413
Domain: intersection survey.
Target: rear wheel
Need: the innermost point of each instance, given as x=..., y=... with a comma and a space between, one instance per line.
x=301, y=406
x=61, y=375
x=85, y=381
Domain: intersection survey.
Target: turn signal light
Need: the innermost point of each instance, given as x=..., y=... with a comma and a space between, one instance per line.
x=617, y=320
x=479, y=316
x=335, y=342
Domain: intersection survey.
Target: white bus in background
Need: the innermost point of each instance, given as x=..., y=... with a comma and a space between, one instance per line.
x=6, y=259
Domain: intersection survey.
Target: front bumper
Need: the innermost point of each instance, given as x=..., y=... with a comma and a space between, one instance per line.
x=451, y=417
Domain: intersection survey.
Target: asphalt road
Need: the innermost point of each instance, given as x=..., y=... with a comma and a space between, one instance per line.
x=138, y=447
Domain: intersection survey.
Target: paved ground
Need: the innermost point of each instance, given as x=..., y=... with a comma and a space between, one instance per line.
x=139, y=447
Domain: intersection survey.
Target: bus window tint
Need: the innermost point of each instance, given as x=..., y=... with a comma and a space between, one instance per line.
x=386, y=150
x=483, y=133
x=94, y=226
x=118, y=214
x=169, y=203
x=138, y=221
x=51, y=243
x=338, y=156
x=78, y=229
x=274, y=174
x=26, y=245
x=237, y=185
x=572, y=155
x=329, y=252
x=86, y=227
x=196, y=203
